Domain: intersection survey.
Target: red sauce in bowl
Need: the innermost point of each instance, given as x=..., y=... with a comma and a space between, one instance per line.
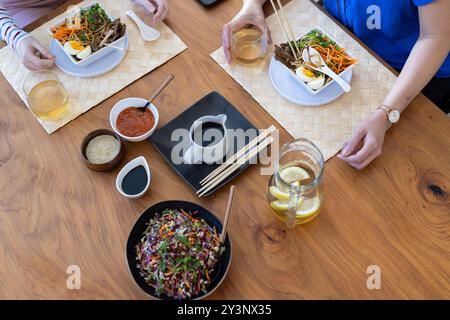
x=133, y=123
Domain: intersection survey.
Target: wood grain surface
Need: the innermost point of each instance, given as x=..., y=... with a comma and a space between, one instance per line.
x=55, y=212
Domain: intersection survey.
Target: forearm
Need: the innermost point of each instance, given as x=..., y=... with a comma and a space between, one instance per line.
x=423, y=62
x=9, y=32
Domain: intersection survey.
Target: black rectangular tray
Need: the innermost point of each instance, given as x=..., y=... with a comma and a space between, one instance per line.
x=212, y=104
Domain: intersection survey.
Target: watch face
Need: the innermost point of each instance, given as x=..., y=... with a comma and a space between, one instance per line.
x=394, y=116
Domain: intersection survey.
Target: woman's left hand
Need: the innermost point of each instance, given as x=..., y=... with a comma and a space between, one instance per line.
x=367, y=141
x=159, y=7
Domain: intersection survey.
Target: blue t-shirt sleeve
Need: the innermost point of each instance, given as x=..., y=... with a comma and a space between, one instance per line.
x=422, y=2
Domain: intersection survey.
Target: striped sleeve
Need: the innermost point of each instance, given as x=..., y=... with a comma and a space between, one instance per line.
x=9, y=31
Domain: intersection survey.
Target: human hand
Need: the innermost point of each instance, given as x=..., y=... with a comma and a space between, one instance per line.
x=249, y=15
x=35, y=56
x=367, y=141
x=160, y=8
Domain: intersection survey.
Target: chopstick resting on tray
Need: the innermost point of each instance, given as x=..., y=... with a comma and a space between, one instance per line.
x=244, y=155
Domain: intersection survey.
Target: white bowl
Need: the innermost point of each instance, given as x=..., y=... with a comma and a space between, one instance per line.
x=116, y=45
x=132, y=102
x=343, y=74
x=140, y=161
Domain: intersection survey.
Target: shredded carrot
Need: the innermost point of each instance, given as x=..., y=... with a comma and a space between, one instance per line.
x=187, y=215
x=336, y=59
x=168, y=234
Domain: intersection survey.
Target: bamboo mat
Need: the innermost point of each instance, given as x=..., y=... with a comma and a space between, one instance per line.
x=141, y=58
x=328, y=126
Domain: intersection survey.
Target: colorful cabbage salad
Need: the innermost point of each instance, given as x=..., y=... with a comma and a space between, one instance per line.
x=178, y=253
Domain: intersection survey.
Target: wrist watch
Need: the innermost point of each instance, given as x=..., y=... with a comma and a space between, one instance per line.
x=392, y=114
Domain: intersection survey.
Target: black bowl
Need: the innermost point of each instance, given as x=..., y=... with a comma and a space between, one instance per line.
x=137, y=232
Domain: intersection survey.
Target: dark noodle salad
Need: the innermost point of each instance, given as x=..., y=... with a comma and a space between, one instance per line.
x=178, y=253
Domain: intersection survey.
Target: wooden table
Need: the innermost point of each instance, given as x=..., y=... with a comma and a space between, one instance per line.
x=54, y=212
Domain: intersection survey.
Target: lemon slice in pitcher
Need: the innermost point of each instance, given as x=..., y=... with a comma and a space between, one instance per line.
x=308, y=207
x=280, y=205
x=283, y=205
x=294, y=174
x=278, y=193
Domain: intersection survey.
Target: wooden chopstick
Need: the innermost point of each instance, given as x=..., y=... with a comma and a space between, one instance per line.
x=227, y=215
x=238, y=154
x=289, y=27
x=284, y=29
x=235, y=166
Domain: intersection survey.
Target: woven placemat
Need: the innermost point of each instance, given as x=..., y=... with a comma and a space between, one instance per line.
x=328, y=126
x=141, y=58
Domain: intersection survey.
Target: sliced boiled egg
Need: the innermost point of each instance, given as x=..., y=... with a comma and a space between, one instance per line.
x=86, y=52
x=305, y=74
x=318, y=83
x=73, y=47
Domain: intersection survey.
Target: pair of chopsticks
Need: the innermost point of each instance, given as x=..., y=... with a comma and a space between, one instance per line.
x=241, y=157
x=287, y=29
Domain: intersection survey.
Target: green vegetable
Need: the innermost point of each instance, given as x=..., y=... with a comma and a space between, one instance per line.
x=184, y=240
x=163, y=246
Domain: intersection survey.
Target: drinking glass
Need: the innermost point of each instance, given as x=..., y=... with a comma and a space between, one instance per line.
x=248, y=41
x=45, y=95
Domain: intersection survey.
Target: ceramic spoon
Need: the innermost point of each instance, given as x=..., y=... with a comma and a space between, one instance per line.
x=147, y=33
x=314, y=60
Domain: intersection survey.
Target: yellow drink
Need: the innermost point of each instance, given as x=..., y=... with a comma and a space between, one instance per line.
x=248, y=47
x=295, y=190
x=48, y=100
x=309, y=202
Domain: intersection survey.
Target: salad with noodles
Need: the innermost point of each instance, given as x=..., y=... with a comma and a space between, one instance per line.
x=178, y=253
x=87, y=31
x=336, y=58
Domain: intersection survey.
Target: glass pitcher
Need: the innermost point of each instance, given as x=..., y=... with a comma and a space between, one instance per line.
x=295, y=190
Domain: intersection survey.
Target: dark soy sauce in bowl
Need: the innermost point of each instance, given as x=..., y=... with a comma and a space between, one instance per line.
x=208, y=134
x=135, y=181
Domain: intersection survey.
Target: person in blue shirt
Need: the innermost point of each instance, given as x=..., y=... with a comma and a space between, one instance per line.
x=413, y=36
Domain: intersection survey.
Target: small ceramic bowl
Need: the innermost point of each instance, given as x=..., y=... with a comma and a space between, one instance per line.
x=139, y=161
x=132, y=102
x=107, y=166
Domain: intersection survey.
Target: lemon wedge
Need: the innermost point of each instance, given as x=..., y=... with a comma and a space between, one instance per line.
x=278, y=193
x=280, y=205
x=294, y=174
x=283, y=205
x=284, y=187
x=308, y=207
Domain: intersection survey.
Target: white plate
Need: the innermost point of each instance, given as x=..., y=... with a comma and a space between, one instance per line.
x=289, y=89
x=98, y=68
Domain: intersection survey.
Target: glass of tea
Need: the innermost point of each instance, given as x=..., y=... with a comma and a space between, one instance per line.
x=46, y=96
x=248, y=41
x=295, y=190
